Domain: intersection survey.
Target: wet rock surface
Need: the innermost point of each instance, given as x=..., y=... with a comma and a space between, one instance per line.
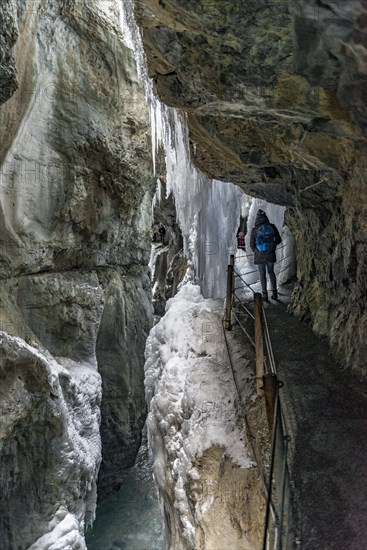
x=50, y=444
x=123, y=329
x=331, y=48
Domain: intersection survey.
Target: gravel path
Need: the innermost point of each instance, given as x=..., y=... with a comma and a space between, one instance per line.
x=326, y=412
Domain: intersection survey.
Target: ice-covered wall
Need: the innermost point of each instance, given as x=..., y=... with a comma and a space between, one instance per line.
x=50, y=446
x=208, y=211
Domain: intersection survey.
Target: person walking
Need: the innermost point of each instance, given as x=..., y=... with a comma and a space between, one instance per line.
x=241, y=240
x=162, y=233
x=263, y=241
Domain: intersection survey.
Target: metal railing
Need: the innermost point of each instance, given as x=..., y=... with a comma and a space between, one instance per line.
x=278, y=518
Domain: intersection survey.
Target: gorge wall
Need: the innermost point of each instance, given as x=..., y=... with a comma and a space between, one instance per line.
x=274, y=98
x=75, y=294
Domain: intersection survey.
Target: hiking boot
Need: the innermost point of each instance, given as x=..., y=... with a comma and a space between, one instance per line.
x=265, y=297
x=274, y=296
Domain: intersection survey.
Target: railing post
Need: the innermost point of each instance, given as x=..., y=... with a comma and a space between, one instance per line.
x=230, y=289
x=284, y=480
x=270, y=387
x=269, y=497
x=259, y=342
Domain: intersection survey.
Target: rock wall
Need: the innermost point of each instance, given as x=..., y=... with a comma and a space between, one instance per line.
x=330, y=50
x=124, y=327
x=167, y=260
x=50, y=446
x=274, y=96
x=75, y=201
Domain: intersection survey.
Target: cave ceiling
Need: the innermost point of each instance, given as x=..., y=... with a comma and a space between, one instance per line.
x=273, y=91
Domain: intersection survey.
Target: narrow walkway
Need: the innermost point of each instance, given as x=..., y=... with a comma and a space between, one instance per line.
x=326, y=412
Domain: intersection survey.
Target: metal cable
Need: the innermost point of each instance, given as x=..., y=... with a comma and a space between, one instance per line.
x=247, y=272
x=243, y=329
x=238, y=275
x=250, y=255
x=286, y=267
x=243, y=305
x=278, y=417
x=251, y=437
x=268, y=343
x=271, y=472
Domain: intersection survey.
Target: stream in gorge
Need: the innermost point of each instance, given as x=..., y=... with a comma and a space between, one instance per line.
x=131, y=518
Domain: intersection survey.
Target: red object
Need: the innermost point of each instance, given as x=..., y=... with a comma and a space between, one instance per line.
x=240, y=242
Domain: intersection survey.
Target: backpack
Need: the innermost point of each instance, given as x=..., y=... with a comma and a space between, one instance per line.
x=265, y=238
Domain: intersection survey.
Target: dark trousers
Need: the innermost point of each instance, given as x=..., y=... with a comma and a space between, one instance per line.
x=262, y=270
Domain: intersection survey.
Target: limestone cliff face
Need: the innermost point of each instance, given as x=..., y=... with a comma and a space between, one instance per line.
x=74, y=230
x=274, y=93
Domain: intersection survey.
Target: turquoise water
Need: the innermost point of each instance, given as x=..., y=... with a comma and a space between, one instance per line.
x=131, y=518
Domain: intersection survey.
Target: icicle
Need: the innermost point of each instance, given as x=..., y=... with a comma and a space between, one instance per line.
x=159, y=190
x=154, y=136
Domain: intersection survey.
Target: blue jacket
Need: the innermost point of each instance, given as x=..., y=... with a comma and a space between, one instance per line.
x=268, y=256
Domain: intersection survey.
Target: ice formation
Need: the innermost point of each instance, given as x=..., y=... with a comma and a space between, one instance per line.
x=191, y=396
x=64, y=534
x=187, y=370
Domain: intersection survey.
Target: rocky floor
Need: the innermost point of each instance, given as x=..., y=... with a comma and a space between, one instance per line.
x=326, y=413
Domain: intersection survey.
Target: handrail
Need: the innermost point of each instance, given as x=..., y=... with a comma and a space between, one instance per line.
x=240, y=276
x=250, y=255
x=271, y=472
x=243, y=305
x=268, y=343
x=277, y=490
x=244, y=330
x=251, y=437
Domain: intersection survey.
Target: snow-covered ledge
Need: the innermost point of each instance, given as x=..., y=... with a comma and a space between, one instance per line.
x=202, y=463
